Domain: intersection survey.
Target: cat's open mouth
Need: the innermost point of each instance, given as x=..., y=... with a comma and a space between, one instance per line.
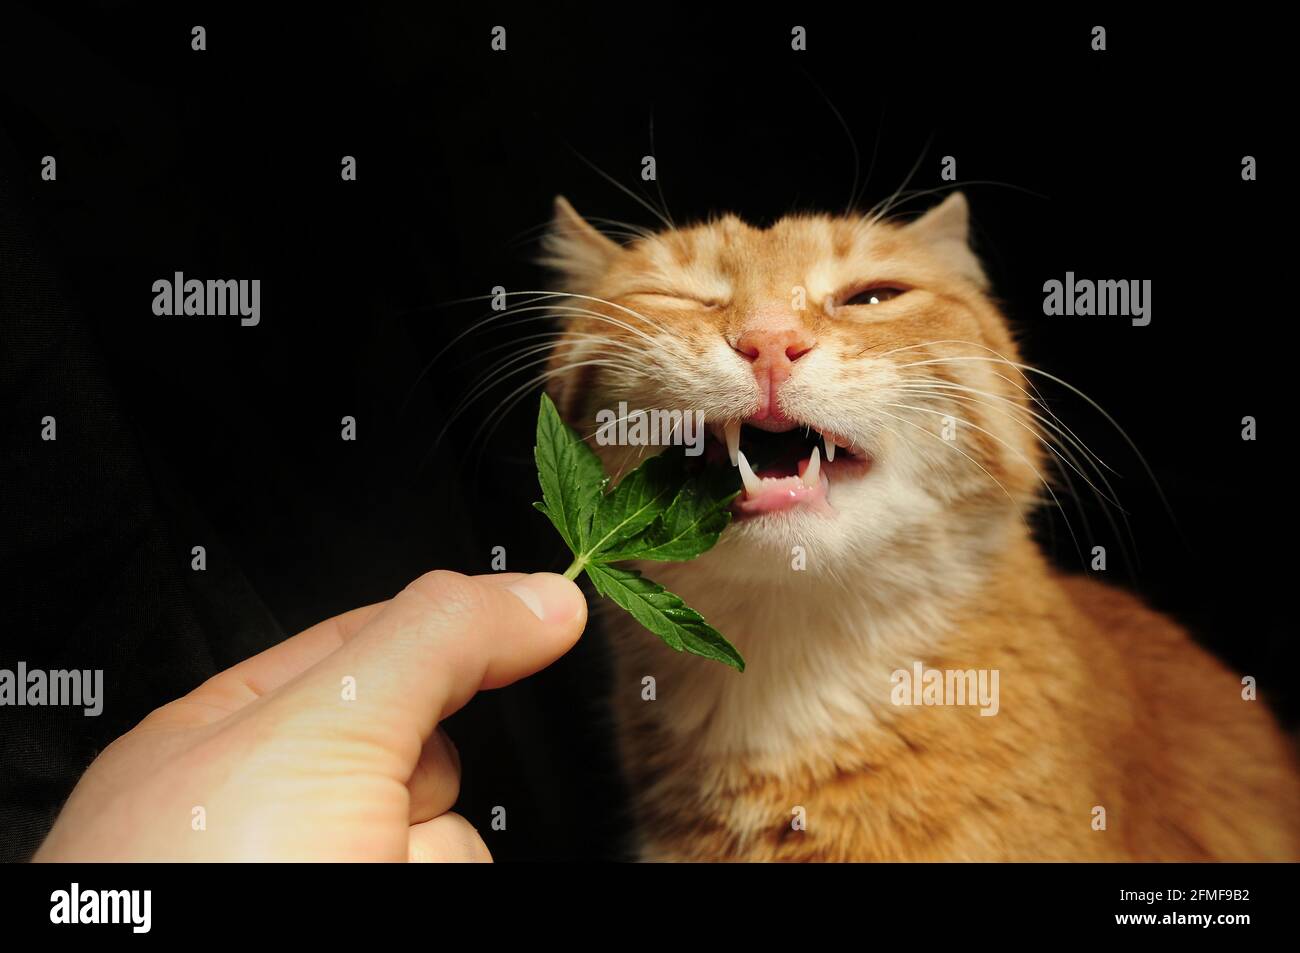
x=783, y=468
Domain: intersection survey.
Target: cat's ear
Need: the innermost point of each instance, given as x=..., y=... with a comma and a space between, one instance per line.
x=575, y=249
x=946, y=229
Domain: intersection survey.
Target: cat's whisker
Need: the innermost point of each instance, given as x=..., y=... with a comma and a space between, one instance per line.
x=626, y=229
x=647, y=321
x=475, y=327
x=548, y=313
x=562, y=302
x=499, y=375
x=937, y=388
x=951, y=446
x=1061, y=434
x=481, y=390
x=492, y=375
x=542, y=295
x=906, y=196
x=512, y=399
x=659, y=187
x=1062, y=453
x=668, y=222
x=1035, y=397
x=853, y=144
x=1049, y=420
x=506, y=405
x=1091, y=402
x=555, y=336
x=1023, y=459
x=555, y=304
x=1054, y=423
x=879, y=212
x=529, y=234
x=602, y=343
x=1026, y=387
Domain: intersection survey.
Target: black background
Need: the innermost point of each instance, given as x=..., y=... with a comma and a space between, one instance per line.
x=225, y=164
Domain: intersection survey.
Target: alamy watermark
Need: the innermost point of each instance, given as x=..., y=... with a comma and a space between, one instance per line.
x=1083, y=296
x=934, y=686
x=651, y=428
x=133, y=908
x=181, y=296
x=82, y=688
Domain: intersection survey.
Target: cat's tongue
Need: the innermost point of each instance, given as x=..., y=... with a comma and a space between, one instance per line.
x=771, y=494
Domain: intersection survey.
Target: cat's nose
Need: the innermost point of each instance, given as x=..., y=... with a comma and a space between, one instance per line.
x=772, y=353
x=778, y=347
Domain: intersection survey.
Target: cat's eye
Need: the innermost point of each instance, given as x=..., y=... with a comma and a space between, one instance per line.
x=672, y=297
x=876, y=294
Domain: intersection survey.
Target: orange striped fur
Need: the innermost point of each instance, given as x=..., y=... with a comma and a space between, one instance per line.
x=1104, y=704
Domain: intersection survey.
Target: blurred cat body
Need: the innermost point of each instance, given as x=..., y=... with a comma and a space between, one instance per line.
x=1115, y=736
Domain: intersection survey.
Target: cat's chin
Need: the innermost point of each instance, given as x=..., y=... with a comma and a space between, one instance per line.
x=850, y=540
x=778, y=547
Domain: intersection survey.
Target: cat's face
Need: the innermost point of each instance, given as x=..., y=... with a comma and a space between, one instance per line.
x=877, y=337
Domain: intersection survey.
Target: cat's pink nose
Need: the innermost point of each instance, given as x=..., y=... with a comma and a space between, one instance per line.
x=772, y=352
x=775, y=346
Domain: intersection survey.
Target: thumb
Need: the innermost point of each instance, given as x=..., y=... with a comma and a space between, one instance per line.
x=429, y=650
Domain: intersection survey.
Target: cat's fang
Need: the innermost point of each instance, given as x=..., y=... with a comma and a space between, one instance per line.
x=752, y=483
x=830, y=448
x=733, y=440
x=812, y=473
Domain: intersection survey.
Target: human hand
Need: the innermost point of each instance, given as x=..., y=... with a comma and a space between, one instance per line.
x=281, y=765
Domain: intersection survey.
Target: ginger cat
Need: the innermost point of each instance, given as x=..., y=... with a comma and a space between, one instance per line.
x=870, y=358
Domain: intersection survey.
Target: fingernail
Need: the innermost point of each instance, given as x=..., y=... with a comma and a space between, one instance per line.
x=550, y=596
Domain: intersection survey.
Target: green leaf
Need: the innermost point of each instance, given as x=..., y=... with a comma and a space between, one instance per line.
x=689, y=526
x=656, y=512
x=637, y=501
x=571, y=476
x=663, y=613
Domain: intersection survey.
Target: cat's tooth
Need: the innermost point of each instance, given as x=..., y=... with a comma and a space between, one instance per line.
x=752, y=483
x=733, y=440
x=830, y=448
x=812, y=473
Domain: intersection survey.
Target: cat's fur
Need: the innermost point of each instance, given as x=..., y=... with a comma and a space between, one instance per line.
x=1104, y=703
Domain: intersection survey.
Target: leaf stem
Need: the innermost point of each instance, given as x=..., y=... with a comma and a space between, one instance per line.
x=575, y=567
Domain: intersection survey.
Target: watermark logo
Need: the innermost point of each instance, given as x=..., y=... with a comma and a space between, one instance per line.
x=933, y=686
x=182, y=296
x=134, y=907
x=77, y=688
x=1083, y=296
x=651, y=428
